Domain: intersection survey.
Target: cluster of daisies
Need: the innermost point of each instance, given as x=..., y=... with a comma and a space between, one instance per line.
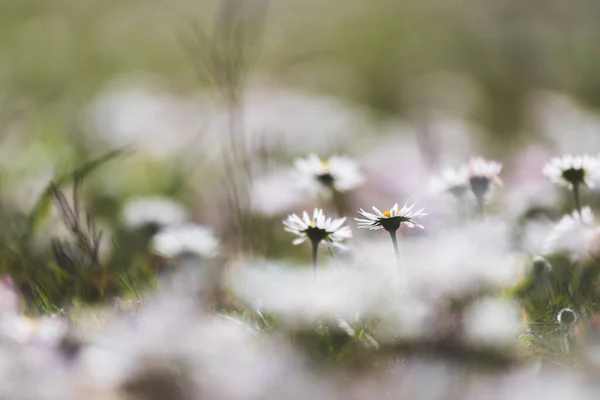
x=475, y=179
x=575, y=232
x=474, y=182
x=339, y=174
x=172, y=232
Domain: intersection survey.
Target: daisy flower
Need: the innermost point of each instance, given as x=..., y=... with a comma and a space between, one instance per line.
x=337, y=173
x=185, y=239
x=317, y=229
x=451, y=180
x=27, y=330
x=573, y=233
x=571, y=171
x=156, y=211
x=482, y=173
x=390, y=220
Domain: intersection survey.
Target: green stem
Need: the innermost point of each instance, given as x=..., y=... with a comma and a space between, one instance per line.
x=576, y=197
x=395, y=243
x=315, y=247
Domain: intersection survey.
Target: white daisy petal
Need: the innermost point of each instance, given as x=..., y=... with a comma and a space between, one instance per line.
x=300, y=240
x=318, y=228
x=391, y=219
x=379, y=213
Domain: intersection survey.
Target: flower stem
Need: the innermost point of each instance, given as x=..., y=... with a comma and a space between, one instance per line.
x=395, y=243
x=397, y=252
x=481, y=206
x=315, y=247
x=576, y=197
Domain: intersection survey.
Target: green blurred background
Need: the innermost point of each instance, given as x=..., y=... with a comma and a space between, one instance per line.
x=55, y=55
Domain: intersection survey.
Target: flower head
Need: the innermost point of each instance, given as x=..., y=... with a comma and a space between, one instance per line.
x=573, y=170
x=572, y=233
x=318, y=228
x=566, y=317
x=451, y=180
x=392, y=219
x=482, y=173
x=336, y=173
x=153, y=211
x=186, y=238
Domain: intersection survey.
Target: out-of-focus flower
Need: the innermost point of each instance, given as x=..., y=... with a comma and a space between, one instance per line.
x=391, y=220
x=532, y=234
x=493, y=322
x=295, y=297
x=395, y=149
x=336, y=173
x=156, y=122
x=455, y=261
x=318, y=228
x=482, y=173
x=566, y=123
x=451, y=180
x=275, y=193
x=572, y=170
x=573, y=233
x=48, y=331
x=179, y=353
x=187, y=238
x=280, y=118
x=566, y=317
x=9, y=298
x=157, y=211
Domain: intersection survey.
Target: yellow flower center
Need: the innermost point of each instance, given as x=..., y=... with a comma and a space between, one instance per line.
x=312, y=224
x=387, y=214
x=325, y=164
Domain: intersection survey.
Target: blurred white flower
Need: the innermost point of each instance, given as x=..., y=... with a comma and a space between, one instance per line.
x=25, y=330
x=523, y=198
x=570, y=127
x=9, y=297
x=280, y=118
x=393, y=150
x=187, y=238
x=451, y=180
x=336, y=173
x=318, y=228
x=158, y=211
x=482, y=173
x=177, y=352
x=455, y=261
x=493, y=322
x=275, y=193
x=293, y=294
x=573, y=233
x=391, y=220
x=156, y=122
x=533, y=234
x=572, y=170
